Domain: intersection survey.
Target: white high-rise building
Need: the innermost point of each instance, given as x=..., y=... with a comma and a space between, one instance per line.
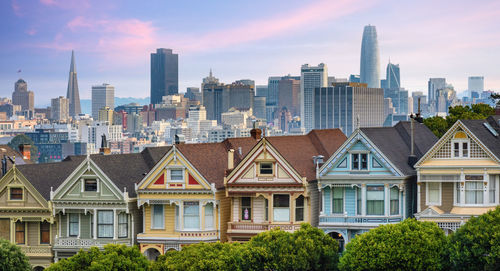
x=476, y=83
x=102, y=95
x=311, y=77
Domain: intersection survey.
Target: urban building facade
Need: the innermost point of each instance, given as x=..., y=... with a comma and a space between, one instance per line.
x=311, y=77
x=370, y=63
x=102, y=95
x=164, y=74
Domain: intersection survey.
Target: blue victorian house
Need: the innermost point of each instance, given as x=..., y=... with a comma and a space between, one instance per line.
x=370, y=179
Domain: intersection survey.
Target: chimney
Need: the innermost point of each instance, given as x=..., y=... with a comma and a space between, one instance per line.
x=104, y=150
x=412, y=158
x=256, y=133
x=230, y=159
x=25, y=150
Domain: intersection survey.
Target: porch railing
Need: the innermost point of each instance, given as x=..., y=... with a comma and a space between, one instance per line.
x=359, y=219
x=76, y=242
x=37, y=250
x=249, y=226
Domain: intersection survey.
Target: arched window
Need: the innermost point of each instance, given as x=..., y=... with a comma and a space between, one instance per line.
x=460, y=145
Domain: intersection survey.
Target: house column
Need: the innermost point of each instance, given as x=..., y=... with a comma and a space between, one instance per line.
x=387, y=200
x=181, y=215
x=418, y=192
x=486, y=190
x=95, y=223
x=363, y=199
x=462, y=187
x=115, y=219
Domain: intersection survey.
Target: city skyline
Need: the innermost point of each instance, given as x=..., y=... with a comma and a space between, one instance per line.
x=113, y=42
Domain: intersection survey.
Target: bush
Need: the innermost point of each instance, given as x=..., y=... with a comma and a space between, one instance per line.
x=476, y=245
x=213, y=256
x=113, y=257
x=308, y=248
x=409, y=245
x=12, y=258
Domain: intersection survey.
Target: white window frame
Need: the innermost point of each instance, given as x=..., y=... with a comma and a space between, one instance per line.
x=153, y=217
x=460, y=148
x=464, y=202
x=68, y=226
x=205, y=216
x=169, y=175
x=359, y=153
x=427, y=202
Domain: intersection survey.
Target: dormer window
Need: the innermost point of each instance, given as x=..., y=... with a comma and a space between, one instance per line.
x=266, y=168
x=359, y=161
x=16, y=193
x=460, y=145
x=90, y=185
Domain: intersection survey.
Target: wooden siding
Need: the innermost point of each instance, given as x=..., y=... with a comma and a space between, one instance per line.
x=236, y=209
x=258, y=209
x=314, y=195
x=169, y=223
x=5, y=228
x=64, y=226
x=85, y=226
x=447, y=196
x=32, y=229
x=225, y=213
x=422, y=196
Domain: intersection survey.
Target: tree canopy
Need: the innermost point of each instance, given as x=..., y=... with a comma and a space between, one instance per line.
x=476, y=245
x=24, y=139
x=113, y=257
x=12, y=258
x=439, y=125
x=409, y=245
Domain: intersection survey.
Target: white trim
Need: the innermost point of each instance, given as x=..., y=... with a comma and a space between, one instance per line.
x=427, y=202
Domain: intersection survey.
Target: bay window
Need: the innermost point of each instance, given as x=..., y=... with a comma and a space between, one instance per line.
x=493, y=190
x=474, y=192
x=299, y=208
x=246, y=208
x=281, y=208
x=20, y=232
x=394, y=201
x=105, y=224
x=433, y=193
x=338, y=200
x=374, y=200
x=122, y=225
x=158, y=216
x=74, y=221
x=209, y=216
x=44, y=232
x=191, y=215
x=358, y=200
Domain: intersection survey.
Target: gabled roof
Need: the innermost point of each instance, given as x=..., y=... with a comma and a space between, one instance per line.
x=45, y=176
x=394, y=142
x=478, y=128
x=12, y=154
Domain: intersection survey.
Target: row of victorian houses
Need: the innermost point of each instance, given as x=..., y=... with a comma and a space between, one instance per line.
x=167, y=197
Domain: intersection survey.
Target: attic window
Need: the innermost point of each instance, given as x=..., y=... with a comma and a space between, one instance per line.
x=266, y=168
x=176, y=175
x=16, y=193
x=91, y=185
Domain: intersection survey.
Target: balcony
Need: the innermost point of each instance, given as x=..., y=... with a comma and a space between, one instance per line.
x=249, y=227
x=37, y=251
x=358, y=220
x=200, y=234
x=87, y=243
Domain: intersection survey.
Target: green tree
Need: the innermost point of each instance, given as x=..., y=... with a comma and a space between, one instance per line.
x=437, y=125
x=24, y=139
x=113, y=257
x=496, y=98
x=308, y=248
x=476, y=245
x=409, y=245
x=213, y=256
x=12, y=258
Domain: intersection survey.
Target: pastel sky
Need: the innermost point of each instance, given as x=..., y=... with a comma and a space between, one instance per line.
x=241, y=39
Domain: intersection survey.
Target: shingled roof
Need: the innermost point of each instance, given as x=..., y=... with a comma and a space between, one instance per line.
x=45, y=176
x=394, y=142
x=13, y=154
x=478, y=128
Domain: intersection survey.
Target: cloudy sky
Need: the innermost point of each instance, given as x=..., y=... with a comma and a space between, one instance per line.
x=241, y=39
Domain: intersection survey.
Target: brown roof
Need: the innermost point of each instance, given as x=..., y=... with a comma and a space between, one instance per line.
x=11, y=153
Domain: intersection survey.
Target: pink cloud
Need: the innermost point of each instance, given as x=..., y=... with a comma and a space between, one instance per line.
x=67, y=4
x=16, y=8
x=31, y=32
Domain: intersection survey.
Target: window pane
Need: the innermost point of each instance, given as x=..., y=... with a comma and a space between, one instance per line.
x=299, y=209
x=105, y=224
x=375, y=200
x=16, y=193
x=281, y=211
x=191, y=215
x=281, y=200
x=358, y=200
x=158, y=216
x=456, y=147
x=266, y=168
x=90, y=185
x=457, y=192
x=338, y=200
x=355, y=161
x=209, y=215
x=20, y=232
x=44, y=233
x=465, y=151
x=492, y=191
x=122, y=225
x=364, y=161
x=394, y=201
x=73, y=224
x=176, y=175
x=246, y=208
x=474, y=192
x=434, y=191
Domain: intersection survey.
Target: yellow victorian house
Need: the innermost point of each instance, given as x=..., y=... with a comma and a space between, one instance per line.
x=459, y=176
x=180, y=201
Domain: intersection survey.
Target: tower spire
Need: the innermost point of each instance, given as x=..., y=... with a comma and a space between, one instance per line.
x=73, y=94
x=72, y=66
x=210, y=73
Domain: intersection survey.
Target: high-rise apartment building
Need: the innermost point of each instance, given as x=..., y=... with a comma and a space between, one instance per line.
x=72, y=94
x=434, y=85
x=289, y=95
x=164, y=74
x=106, y=114
x=102, y=95
x=311, y=77
x=21, y=96
x=259, y=107
x=347, y=105
x=370, y=64
x=476, y=83
x=59, y=109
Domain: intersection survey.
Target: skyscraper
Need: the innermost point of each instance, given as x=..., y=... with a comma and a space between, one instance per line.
x=393, y=77
x=72, y=93
x=59, y=109
x=369, y=65
x=392, y=89
x=343, y=104
x=434, y=85
x=21, y=96
x=102, y=95
x=164, y=74
x=289, y=95
x=311, y=77
x=476, y=83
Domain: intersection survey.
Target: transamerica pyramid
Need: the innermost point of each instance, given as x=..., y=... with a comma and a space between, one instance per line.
x=73, y=95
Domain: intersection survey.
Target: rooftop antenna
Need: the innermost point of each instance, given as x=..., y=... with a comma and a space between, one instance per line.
x=357, y=121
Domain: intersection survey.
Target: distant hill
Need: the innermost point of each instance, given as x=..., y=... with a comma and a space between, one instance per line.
x=87, y=103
